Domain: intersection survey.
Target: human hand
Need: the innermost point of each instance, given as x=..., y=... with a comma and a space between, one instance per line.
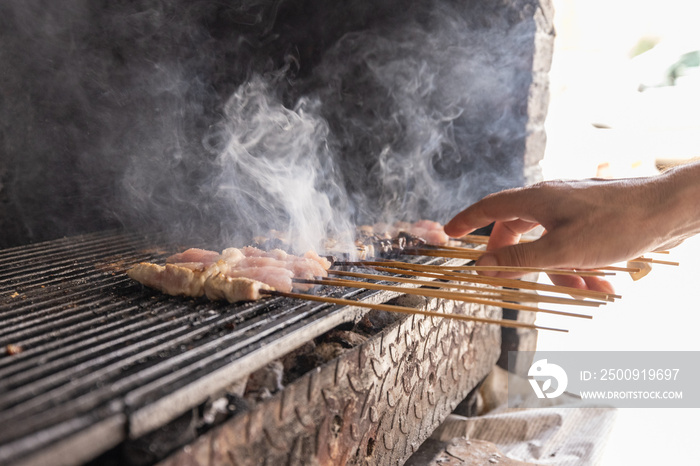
x=588, y=224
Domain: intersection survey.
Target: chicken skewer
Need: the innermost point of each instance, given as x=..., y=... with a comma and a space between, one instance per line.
x=233, y=275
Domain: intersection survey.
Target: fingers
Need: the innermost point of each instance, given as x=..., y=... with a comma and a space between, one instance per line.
x=599, y=284
x=508, y=233
x=570, y=281
x=501, y=257
x=499, y=207
x=539, y=253
x=583, y=283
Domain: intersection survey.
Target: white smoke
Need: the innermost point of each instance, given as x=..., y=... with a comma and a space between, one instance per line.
x=274, y=167
x=220, y=121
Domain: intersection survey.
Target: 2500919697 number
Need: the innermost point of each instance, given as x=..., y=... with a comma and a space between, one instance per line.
x=639, y=374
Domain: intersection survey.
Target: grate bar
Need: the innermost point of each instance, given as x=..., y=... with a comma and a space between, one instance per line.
x=46, y=258
x=97, y=346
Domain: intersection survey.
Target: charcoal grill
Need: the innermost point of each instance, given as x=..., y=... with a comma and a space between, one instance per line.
x=92, y=358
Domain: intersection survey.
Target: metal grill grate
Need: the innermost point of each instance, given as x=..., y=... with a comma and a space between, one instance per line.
x=102, y=359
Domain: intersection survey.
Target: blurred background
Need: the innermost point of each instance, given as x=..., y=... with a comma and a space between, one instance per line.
x=625, y=101
x=625, y=87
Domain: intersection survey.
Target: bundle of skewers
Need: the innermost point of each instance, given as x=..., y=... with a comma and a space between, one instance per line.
x=378, y=262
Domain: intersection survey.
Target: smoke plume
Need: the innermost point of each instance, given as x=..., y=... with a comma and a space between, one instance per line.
x=218, y=121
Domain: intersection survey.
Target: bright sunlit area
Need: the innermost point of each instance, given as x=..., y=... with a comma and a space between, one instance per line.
x=625, y=100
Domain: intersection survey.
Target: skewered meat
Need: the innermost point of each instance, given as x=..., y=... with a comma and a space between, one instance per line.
x=172, y=279
x=221, y=287
x=431, y=232
x=234, y=275
x=202, y=257
x=385, y=240
x=239, y=274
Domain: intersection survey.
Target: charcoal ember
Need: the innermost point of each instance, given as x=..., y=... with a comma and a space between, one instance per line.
x=300, y=361
x=375, y=321
x=265, y=381
x=290, y=359
x=346, y=338
x=148, y=449
x=328, y=351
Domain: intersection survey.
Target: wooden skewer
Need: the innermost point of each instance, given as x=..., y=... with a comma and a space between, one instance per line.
x=552, y=271
x=435, y=272
x=453, y=296
x=653, y=261
x=480, y=239
x=453, y=248
x=516, y=284
x=621, y=269
x=467, y=253
x=473, y=254
x=475, y=239
x=407, y=310
x=480, y=291
x=504, y=268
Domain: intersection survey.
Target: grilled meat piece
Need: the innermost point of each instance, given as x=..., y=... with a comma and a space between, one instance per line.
x=233, y=289
x=391, y=240
x=234, y=275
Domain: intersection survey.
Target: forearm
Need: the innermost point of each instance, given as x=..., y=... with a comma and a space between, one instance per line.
x=679, y=215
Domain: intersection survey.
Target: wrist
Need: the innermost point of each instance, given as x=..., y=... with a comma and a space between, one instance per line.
x=680, y=191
